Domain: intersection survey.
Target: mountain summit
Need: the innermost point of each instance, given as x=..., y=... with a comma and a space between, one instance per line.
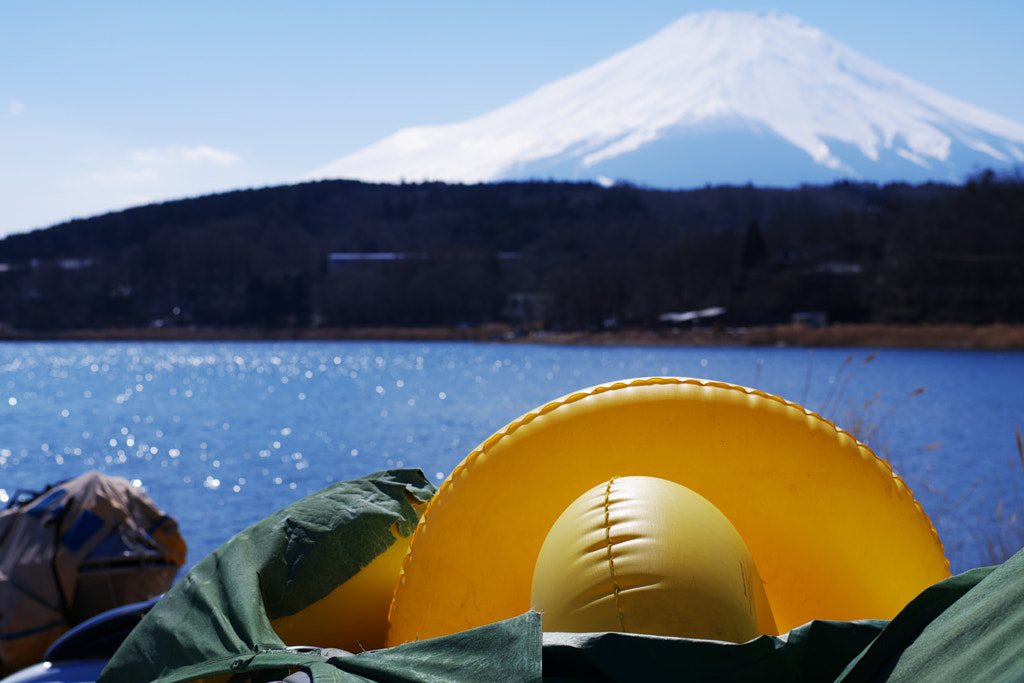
x=716, y=97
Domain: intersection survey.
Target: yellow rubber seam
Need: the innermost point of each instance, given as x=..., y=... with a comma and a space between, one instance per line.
x=611, y=560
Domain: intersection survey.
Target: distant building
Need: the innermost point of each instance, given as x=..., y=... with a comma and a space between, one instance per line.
x=66, y=263
x=837, y=268
x=811, y=319
x=341, y=258
x=692, y=316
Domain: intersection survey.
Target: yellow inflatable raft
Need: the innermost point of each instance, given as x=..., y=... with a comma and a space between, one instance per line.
x=834, y=534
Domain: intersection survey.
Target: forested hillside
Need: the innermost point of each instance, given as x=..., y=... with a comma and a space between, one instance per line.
x=541, y=254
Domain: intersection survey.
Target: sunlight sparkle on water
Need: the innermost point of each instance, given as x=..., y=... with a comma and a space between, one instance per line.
x=224, y=434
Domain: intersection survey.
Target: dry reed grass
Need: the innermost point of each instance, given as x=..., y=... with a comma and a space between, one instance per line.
x=1007, y=537
x=997, y=536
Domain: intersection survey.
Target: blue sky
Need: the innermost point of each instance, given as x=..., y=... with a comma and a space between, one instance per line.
x=110, y=103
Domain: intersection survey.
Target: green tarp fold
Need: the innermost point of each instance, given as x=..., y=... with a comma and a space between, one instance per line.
x=216, y=619
x=505, y=651
x=277, y=567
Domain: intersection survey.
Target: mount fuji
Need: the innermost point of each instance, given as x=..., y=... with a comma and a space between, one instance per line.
x=716, y=97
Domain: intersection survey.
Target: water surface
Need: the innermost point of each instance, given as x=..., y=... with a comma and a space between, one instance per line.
x=222, y=434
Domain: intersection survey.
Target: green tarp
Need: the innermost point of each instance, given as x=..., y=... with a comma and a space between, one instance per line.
x=216, y=619
x=275, y=568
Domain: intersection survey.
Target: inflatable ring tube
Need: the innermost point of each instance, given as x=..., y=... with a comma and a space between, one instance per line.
x=834, y=533
x=364, y=599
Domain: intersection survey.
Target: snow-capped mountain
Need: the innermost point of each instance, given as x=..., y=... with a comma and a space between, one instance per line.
x=716, y=97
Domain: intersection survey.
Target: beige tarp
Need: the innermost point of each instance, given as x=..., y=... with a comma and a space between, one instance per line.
x=79, y=548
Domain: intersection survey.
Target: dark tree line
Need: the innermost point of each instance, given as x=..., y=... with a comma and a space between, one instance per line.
x=569, y=256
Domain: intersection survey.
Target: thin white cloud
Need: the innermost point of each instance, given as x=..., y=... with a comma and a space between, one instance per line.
x=199, y=154
x=148, y=156
x=16, y=107
x=125, y=176
x=112, y=182
x=159, y=164
x=205, y=154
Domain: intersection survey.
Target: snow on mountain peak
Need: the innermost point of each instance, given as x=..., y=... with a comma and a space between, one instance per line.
x=766, y=73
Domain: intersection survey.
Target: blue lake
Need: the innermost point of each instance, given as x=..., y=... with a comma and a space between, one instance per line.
x=222, y=434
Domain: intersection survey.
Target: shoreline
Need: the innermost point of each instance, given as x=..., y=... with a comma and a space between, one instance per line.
x=998, y=337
